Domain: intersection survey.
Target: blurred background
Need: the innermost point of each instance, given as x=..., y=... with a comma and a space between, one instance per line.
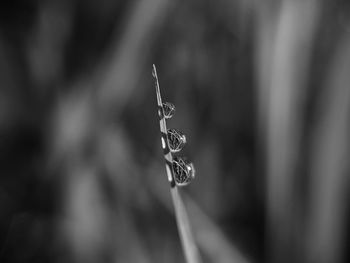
x=262, y=93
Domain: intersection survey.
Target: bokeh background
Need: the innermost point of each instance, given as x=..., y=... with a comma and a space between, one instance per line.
x=262, y=93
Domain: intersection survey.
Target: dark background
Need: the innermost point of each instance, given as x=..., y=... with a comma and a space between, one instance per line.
x=261, y=92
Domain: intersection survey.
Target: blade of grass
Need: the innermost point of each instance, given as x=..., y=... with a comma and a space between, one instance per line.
x=187, y=241
x=284, y=76
x=329, y=185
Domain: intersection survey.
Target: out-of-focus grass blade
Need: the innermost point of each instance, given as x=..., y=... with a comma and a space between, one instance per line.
x=118, y=76
x=329, y=184
x=184, y=227
x=206, y=233
x=286, y=36
x=210, y=238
